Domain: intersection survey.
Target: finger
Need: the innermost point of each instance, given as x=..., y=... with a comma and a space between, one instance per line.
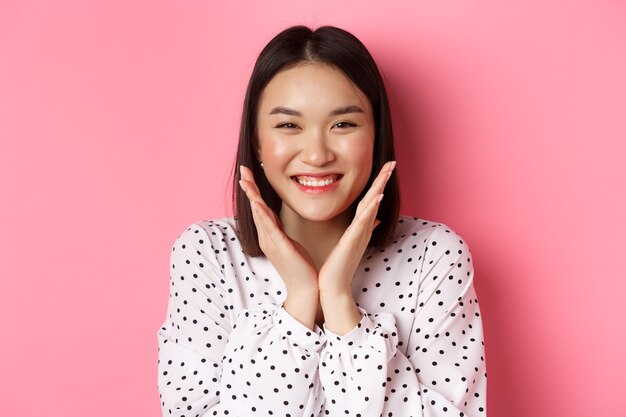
x=378, y=185
x=256, y=217
x=367, y=216
x=268, y=226
x=250, y=188
x=265, y=227
x=258, y=206
x=268, y=221
x=252, y=191
x=364, y=222
x=357, y=236
x=246, y=175
x=265, y=216
x=383, y=177
x=254, y=196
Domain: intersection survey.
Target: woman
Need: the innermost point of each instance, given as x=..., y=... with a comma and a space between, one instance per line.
x=318, y=298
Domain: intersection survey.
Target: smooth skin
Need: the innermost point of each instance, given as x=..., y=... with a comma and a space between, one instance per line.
x=313, y=243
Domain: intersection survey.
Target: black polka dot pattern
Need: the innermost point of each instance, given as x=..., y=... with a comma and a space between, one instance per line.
x=228, y=348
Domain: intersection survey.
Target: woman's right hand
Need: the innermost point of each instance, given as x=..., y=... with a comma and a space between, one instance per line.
x=290, y=259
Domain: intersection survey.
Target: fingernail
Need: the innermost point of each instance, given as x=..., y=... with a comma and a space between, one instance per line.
x=241, y=185
x=241, y=170
x=380, y=197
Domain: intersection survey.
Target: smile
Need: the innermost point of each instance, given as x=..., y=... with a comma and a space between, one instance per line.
x=316, y=183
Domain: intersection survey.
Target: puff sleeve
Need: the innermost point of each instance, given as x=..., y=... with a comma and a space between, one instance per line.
x=364, y=374
x=214, y=361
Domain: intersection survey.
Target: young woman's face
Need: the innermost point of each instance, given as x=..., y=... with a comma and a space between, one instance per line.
x=316, y=140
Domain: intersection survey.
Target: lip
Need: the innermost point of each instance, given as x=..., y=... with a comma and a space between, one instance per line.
x=316, y=190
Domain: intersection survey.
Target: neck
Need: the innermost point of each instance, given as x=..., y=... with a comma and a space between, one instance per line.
x=317, y=237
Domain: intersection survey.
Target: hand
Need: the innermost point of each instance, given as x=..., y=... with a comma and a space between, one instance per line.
x=335, y=276
x=337, y=272
x=295, y=266
x=291, y=260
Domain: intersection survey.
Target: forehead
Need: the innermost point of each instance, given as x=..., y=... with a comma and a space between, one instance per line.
x=312, y=86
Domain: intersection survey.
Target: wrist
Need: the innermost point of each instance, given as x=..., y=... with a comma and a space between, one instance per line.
x=335, y=290
x=333, y=303
x=340, y=312
x=302, y=305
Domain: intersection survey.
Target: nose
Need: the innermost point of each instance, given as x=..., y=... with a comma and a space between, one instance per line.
x=315, y=150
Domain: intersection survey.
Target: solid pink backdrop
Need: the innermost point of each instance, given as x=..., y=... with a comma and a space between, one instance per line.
x=118, y=125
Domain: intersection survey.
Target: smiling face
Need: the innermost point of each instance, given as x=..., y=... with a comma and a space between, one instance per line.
x=316, y=139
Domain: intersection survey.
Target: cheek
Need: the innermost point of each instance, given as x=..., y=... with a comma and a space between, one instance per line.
x=359, y=151
x=272, y=151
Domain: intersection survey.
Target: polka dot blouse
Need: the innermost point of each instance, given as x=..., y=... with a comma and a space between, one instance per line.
x=228, y=348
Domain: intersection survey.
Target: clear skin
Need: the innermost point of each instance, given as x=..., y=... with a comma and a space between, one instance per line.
x=314, y=124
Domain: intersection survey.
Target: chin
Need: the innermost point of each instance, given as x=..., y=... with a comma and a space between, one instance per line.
x=312, y=215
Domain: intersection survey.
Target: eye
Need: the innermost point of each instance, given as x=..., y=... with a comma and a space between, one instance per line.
x=286, y=126
x=344, y=125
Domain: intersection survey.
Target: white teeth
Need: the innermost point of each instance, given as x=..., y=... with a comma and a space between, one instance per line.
x=315, y=183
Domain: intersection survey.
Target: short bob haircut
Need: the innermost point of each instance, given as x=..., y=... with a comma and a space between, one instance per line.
x=339, y=49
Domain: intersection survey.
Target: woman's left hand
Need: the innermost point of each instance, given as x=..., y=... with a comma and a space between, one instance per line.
x=335, y=276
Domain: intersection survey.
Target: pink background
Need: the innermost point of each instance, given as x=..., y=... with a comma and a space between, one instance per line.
x=118, y=125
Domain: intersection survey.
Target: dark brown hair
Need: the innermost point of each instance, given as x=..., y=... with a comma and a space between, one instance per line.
x=342, y=50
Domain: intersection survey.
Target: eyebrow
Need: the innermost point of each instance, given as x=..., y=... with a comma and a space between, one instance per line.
x=346, y=110
x=337, y=112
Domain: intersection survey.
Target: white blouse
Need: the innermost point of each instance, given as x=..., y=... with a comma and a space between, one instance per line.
x=228, y=348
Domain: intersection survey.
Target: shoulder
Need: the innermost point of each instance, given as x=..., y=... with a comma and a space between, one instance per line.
x=213, y=230
x=433, y=238
x=415, y=226
x=208, y=236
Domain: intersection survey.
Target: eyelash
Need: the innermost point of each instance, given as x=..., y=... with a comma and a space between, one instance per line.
x=291, y=125
x=286, y=125
x=347, y=124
